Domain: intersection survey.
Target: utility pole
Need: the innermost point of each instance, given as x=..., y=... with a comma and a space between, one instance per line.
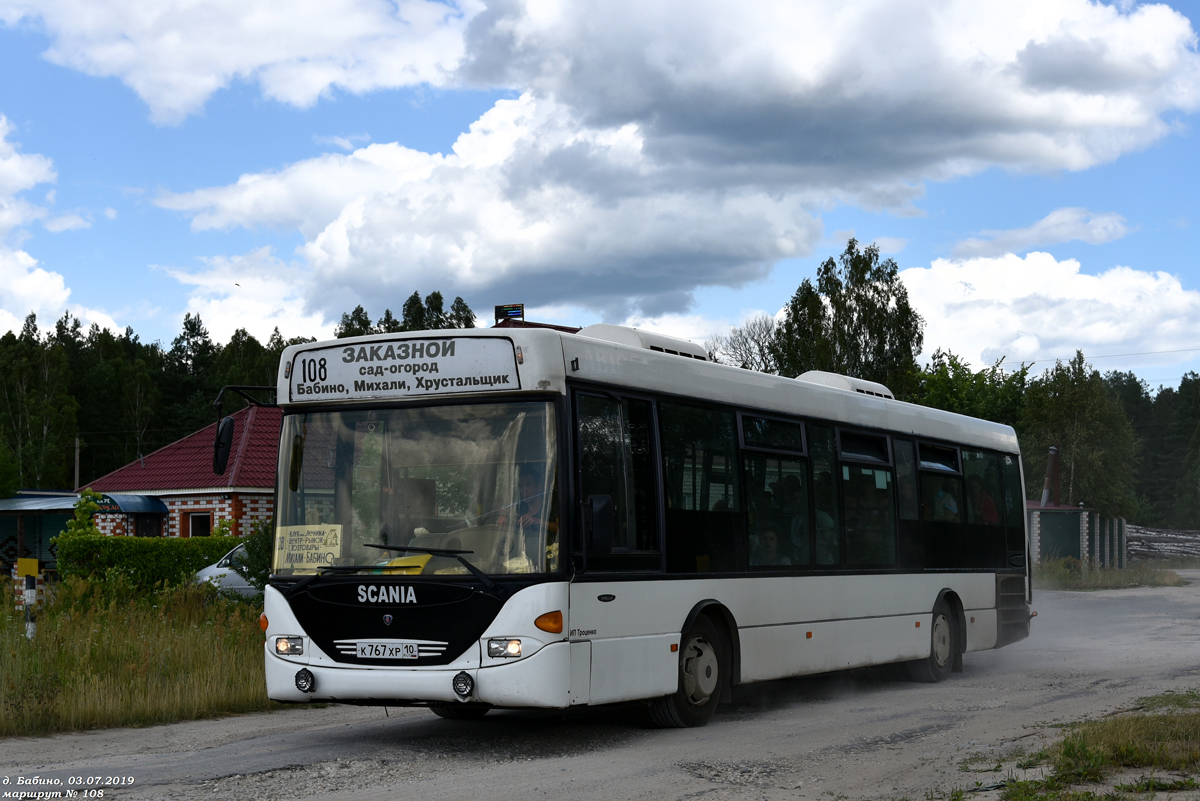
x=76, y=462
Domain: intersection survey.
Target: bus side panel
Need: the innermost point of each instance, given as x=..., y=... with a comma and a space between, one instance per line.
x=648, y=668
x=981, y=629
x=771, y=652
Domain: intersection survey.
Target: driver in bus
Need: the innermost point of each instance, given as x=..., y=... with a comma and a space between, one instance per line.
x=532, y=514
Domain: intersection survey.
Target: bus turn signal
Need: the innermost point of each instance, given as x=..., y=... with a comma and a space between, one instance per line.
x=551, y=622
x=262, y=621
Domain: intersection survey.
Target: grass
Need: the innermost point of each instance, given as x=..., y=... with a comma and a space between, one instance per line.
x=104, y=656
x=1172, y=563
x=1067, y=574
x=1163, y=736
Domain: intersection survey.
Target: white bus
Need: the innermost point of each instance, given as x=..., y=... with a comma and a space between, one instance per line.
x=527, y=518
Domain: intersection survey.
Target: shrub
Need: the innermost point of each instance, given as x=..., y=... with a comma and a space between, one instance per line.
x=82, y=523
x=260, y=547
x=142, y=562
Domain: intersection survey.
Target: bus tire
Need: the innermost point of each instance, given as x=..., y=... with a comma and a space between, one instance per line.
x=459, y=711
x=943, y=640
x=700, y=680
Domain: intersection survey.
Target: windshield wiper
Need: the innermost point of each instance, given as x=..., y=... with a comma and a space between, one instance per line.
x=304, y=582
x=474, y=571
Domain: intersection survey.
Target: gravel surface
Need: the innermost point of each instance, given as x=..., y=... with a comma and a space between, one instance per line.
x=862, y=734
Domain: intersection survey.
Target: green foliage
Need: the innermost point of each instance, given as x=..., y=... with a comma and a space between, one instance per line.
x=260, y=548
x=82, y=524
x=990, y=394
x=1070, y=406
x=110, y=654
x=430, y=315
x=856, y=320
x=1067, y=574
x=10, y=471
x=37, y=411
x=141, y=561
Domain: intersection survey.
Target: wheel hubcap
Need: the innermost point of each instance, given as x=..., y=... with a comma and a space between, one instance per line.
x=700, y=670
x=941, y=640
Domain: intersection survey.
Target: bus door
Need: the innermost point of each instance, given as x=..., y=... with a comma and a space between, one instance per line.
x=614, y=619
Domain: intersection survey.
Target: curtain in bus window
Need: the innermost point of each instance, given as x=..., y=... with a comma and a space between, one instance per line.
x=1014, y=507
x=777, y=510
x=616, y=459
x=869, y=515
x=699, y=453
x=825, y=508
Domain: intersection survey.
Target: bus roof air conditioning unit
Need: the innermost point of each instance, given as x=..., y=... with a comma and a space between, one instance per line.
x=636, y=338
x=847, y=383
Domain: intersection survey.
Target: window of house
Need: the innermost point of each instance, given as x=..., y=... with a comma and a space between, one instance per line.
x=200, y=524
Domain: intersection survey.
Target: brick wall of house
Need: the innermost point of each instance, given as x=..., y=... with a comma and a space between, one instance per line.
x=243, y=509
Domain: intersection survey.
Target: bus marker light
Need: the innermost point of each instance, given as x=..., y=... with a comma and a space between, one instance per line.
x=808, y=635
x=674, y=647
x=306, y=682
x=504, y=649
x=551, y=622
x=972, y=620
x=463, y=684
x=918, y=624
x=262, y=621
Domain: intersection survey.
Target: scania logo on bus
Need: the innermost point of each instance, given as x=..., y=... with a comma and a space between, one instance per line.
x=387, y=620
x=394, y=594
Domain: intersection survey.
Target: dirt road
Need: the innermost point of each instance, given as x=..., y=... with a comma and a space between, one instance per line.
x=865, y=734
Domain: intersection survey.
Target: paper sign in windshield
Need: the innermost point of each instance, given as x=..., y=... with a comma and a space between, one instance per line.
x=404, y=368
x=299, y=547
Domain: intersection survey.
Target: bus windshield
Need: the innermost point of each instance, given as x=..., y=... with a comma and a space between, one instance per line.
x=473, y=477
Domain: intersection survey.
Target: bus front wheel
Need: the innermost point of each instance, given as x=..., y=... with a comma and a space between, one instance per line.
x=699, y=692
x=459, y=711
x=943, y=641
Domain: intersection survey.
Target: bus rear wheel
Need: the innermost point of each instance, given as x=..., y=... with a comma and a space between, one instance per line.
x=459, y=711
x=943, y=640
x=700, y=678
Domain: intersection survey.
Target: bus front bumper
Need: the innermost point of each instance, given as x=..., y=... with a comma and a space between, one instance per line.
x=539, y=680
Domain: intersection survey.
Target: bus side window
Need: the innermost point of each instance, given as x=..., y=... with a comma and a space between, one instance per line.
x=699, y=452
x=616, y=459
x=777, y=507
x=906, y=479
x=1014, y=509
x=825, y=508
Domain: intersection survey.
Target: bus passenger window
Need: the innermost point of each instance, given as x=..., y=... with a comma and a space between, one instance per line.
x=615, y=459
x=825, y=511
x=906, y=479
x=699, y=447
x=1014, y=506
x=870, y=517
x=941, y=498
x=982, y=471
x=777, y=506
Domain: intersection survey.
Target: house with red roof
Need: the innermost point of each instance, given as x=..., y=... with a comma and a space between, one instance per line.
x=197, y=499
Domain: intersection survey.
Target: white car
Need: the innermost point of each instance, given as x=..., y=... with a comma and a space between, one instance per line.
x=222, y=575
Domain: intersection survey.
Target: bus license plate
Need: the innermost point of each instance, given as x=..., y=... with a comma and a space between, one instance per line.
x=379, y=650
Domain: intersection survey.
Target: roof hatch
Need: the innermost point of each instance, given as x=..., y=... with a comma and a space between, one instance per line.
x=845, y=382
x=634, y=337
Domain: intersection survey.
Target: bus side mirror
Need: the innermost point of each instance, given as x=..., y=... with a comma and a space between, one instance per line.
x=222, y=445
x=598, y=524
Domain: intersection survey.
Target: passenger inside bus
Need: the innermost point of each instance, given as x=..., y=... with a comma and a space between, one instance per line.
x=767, y=552
x=532, y=515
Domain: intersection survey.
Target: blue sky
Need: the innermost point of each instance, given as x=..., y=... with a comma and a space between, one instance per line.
x=1031, y=167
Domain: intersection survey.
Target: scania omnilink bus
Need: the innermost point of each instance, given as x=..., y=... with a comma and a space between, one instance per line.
x=521, y=517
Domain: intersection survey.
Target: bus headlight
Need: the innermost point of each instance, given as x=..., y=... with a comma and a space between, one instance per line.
x=289, y=646
x=504, y=649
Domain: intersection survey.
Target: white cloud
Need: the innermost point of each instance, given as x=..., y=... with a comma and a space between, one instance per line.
x=24, y=286
x=67, y=222
x=255, y=291
x=343, y=142
x=1060, y=225
x=660, y=148
x=176, y=53
x=110, y=213
x=529, y=204
x=1035, y=307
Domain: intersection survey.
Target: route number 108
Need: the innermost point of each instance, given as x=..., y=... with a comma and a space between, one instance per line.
x=313, y=370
